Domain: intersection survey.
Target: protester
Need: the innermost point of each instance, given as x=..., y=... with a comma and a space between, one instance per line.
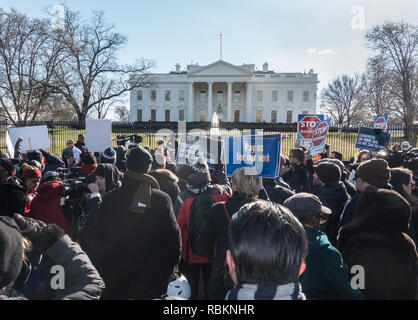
x=82, y=281
x=192, y=210
x=361, y=156
x=52, y=162
x=266, y=252
x=167, y=182
x=375, y=172
x=75, y=151
x=108, y=156
x=182, y=172
x=336, y=155
x=213, y=241
x=80, y=144
x=121, y=156
x=136, y=242
x=376, y=240
x=350, y=187
x=12, y=190
x=32, y=177
x=276, y=192
x=326, y=275
x=332, y=193
x=296, y=176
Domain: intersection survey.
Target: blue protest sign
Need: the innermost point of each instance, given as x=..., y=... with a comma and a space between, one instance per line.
x=372, y=139
x=306, y=125
x=319, y=137
x=258, y=152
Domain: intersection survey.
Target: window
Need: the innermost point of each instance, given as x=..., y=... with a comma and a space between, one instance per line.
x=274, y=116
x=167, y=115
x=153, y=95
x=139, y=95
x=258, y=116
x=202, y=96
x=259, y=95
x=220, y=96
x=305, y=96
x=290, y=96
x=237, y=96
x=181, y=95
x=153, y=115
x=167, y=95
x=202, y=116
x=236, y=116
x=181, y=115
x=289, y=116
x=274, y=96
x=139, y=115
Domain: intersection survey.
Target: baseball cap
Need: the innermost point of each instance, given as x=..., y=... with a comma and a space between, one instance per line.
x=305, y=204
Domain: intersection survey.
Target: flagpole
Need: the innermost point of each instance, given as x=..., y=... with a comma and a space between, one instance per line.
x=221, y=45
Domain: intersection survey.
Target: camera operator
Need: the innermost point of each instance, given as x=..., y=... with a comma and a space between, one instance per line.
x=88, y=165
x=74, y=151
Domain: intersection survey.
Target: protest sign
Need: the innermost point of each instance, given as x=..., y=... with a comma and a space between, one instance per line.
x=10, y=146
x=372, y=139
x=319, y=137
x=98, y=134
x=191, y=147
x=257, y=152
x=381, y=122
x=34, y=138
x=306, y=125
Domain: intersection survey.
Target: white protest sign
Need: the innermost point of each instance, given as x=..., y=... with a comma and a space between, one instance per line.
x=9, y=144
x=34, y=138
x=98, y=135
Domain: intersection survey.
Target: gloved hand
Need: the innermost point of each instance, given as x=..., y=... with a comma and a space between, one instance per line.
x=41, y=235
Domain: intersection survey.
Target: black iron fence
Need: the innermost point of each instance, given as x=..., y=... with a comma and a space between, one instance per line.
x=340, y=139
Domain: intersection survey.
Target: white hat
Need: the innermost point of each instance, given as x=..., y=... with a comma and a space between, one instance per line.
x=179, y=288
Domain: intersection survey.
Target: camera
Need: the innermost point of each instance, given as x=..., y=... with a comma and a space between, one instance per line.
x=74, y=186
x=129, y=141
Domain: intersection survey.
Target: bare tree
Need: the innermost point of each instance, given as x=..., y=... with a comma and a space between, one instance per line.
x=104, y=87
x=122, y=113
x=90, y=76
x=397, y=45
x=28, y=57
x=342, y=100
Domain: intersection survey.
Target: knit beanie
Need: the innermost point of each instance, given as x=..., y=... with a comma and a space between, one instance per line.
x=201, y=175
x=11, y=251
x=8, y=165
x=139, y=160
x=375, y=172
x=327, y=172
x=31, y=172
x=108, y=156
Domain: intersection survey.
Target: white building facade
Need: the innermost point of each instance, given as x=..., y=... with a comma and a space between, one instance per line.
x=235, y=93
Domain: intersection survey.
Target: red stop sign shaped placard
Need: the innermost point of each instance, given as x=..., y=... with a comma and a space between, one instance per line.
x=307, y=125
x=380, y=123
x=320, y=133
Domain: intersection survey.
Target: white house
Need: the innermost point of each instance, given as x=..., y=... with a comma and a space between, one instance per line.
x=235, y=93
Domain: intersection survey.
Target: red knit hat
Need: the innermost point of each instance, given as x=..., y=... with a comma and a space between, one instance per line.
x=31, y=172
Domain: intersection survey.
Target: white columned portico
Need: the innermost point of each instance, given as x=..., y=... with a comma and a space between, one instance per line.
x=209, y=116
x=229, y=107
x=248, y=101
x=191, y=102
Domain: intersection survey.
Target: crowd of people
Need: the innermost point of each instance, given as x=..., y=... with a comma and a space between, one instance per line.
x=133, y=224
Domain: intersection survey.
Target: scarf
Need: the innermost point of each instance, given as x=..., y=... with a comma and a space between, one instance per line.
x=290, y=291
x=142, y=197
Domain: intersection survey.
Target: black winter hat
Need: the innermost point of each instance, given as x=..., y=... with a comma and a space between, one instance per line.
x=11, y=251
x=34, y=155
x=139, y=160
x=375, y=172
x=328, y=172
x=8, y=165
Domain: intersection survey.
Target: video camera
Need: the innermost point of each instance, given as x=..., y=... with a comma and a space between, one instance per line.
x=129, y=141
x=74, y=186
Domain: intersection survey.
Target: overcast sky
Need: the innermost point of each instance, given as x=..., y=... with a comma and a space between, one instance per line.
x=291, y=35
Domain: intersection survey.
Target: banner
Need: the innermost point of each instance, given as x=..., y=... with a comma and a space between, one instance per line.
x=306, y=125
x=34, y=138
x=319, y=137
x=381, y=122
x=98, y=134
x=191, y=147
x=372, y=139
x=258, y=152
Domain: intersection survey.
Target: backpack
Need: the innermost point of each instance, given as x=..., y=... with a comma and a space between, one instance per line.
x=199, y=214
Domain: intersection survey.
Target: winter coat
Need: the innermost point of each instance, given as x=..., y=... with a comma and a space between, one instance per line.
x=46, y=206
x=182, y=208
x=135, y=253
x=213, y=242
x=333, y=196
x=297, y=179
x=276, y=192
x=326, y=276
x=168, y=183
x=52, y=162
x=82, y=281
x=12, y=197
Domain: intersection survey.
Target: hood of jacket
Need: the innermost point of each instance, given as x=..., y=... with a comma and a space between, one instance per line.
x=112, y=176
x=50, y=190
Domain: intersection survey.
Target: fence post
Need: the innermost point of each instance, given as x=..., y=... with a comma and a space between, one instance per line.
x=149, y=133
x=52, y=134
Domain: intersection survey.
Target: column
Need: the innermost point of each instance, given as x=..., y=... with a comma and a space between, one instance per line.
x=229, y=107
x=191, y=103
x=249, y=101
x=209, y=116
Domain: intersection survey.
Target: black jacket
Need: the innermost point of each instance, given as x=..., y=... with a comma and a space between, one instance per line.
x=333, y=196
x=135, y=253
x=297, y=179
x=168, y=183
x=276, y=192
x=12, y=197
x=213, y=242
